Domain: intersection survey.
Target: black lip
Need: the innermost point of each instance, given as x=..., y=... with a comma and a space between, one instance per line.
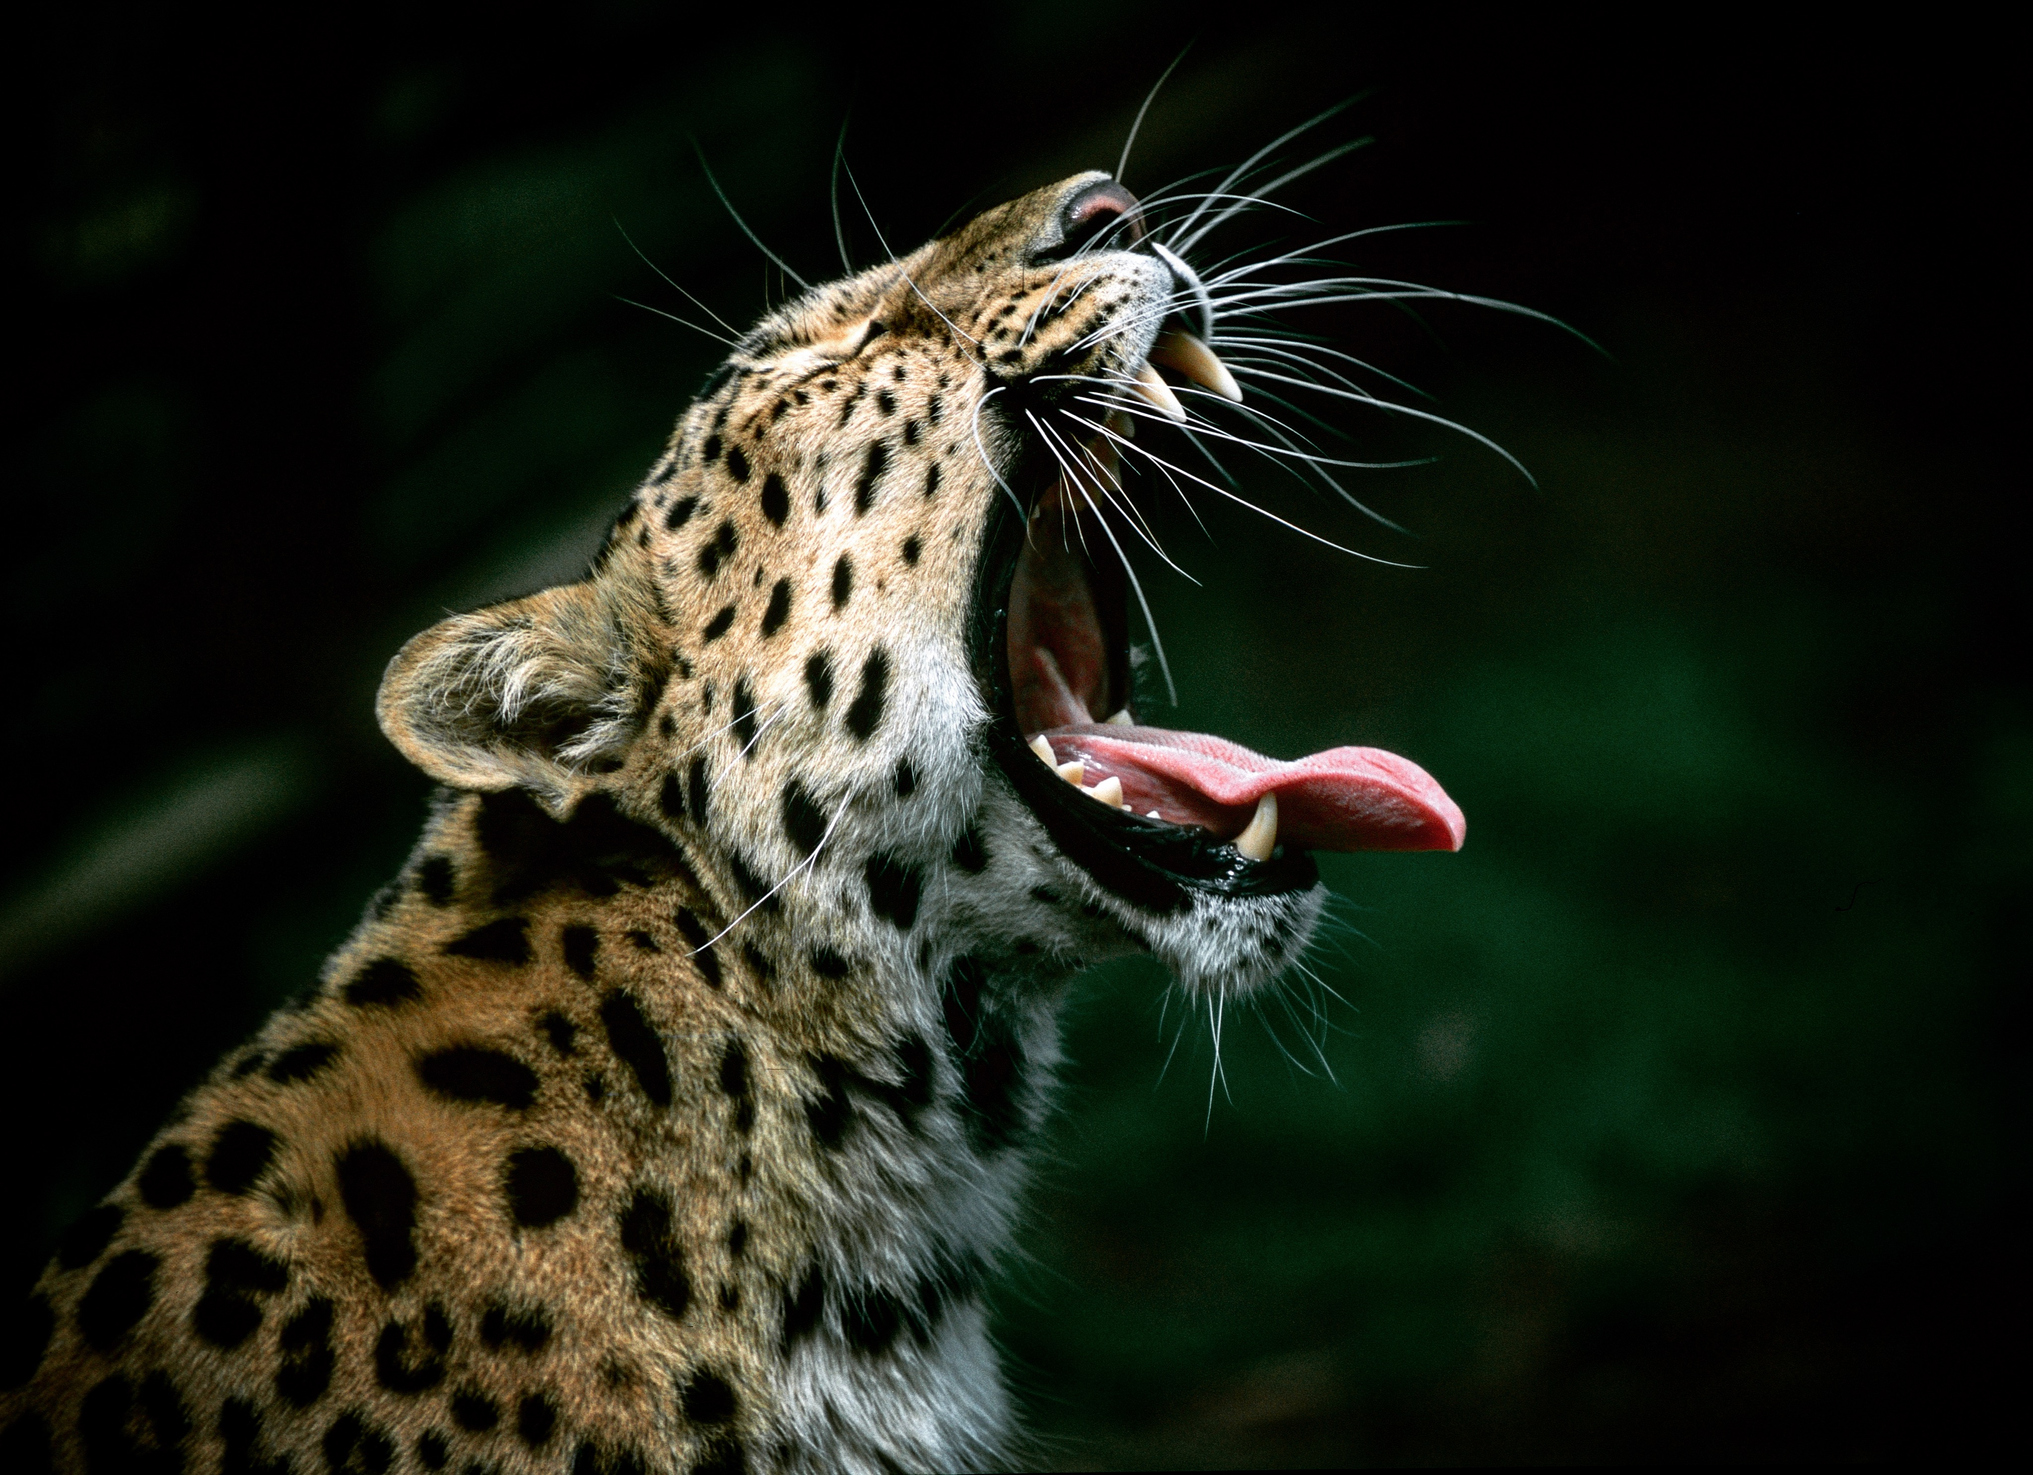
x=1149, y=863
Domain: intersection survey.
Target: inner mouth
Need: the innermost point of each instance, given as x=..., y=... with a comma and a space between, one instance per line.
x=1156, y=814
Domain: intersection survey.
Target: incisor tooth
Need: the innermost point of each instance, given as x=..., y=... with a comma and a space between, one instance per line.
x=1044, y=750
x=1109, y=792
x=1261, y=838
x=1159, y=393
x=1123, y=719
x=1152, y=814
x=1192, y=358
x=1073, y=772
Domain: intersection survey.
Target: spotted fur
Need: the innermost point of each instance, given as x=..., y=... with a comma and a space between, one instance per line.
x=669, y=1111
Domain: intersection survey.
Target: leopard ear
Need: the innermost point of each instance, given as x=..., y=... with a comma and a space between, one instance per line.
x=528, y=694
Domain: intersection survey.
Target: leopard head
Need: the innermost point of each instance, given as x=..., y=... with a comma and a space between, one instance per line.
x=859, y=644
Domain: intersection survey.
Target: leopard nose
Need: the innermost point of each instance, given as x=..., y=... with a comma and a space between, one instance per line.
x=1104, y=214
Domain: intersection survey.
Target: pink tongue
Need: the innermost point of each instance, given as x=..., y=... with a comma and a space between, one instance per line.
x=1342, y=799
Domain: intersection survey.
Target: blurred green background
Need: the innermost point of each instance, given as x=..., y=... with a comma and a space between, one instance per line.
x=1678, y=1116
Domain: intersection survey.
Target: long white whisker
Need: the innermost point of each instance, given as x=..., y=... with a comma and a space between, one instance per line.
x=674, y=287
x=1282, y=180
x=687, y=322
x=1398, y=409
x=1243, y=168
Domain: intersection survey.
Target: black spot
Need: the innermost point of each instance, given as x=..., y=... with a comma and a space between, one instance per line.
x=744, y=717
x=436, y=879
x=885, y=401
x=240, y=1433
x=380, y=1198
x=235, y=1272
x=353, y=1446
x=779, y=608
x=395, y=1372
x=475, y=1073
x=730, y=1297
x=871, y=476
x=119, y=1296
x=560, y=1030
x=637, y=1045
x=1046, y=895
x=660, y=1279
x=580, y=944
x=385, y=981
x=433, y=1451
x=88, y=1236
x=866, y=713
x=700, y=941
x=871, y=1319
x=734, y=1069
x=240, y=1155
x=695, y=790
x=914, y=1063
x=708, y=1398
x=804, y=1308
x=24, y=1339
x=969, y=853
x=542, y=1186
x=904, y=779
x=831, y=1113
x=758, y=963
x=499, y=941
x=524, y=1327
x=301, y=1062
x=843, y=582
x=166, y=1180
x=912, y=430
x=776, y=503
x=737, y=1239
x=641, y=940
x=932, y=478
x=680, y=513
x=671, y=797
x=306, y=1347
x=437, y=1327
x=24, y=1446
x=710, y=452
x=474, y=1412
x=535, y=1417
x=894, y=887
x=247, y=1064
x=804, y=820
x=737, y=463
x=819, y=678
x=754, y=890
x=829, y=964
x=719, y=625
x=912, y=548
x=128, y=1429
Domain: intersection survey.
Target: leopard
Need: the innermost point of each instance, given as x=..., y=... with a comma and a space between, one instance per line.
x=672, y=1109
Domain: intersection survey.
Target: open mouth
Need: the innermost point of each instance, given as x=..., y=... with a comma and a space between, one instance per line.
x=1153, y=814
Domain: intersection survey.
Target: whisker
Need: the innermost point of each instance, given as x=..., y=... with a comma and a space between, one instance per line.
x=1398, y=409
x=674, y=286
x=736, y=214
x=695, y=327
x=1149, y=98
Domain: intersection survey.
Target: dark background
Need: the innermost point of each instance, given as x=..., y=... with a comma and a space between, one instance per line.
x=1675, y=1117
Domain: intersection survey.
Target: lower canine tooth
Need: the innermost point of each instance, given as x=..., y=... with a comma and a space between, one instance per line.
x=1261, y=837
x=1123, y=719
x=1044, y=750
x=1109, y=792
x=1191, y=358
x=1073, y=772
x=1159, y=393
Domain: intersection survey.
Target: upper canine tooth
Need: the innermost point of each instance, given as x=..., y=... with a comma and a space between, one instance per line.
x=1261, y=837
x=1073, y=772
x=1194, y=360
x=1159, y=393
x=1123, y=719
x=1109, y=792
x=1044, y=750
